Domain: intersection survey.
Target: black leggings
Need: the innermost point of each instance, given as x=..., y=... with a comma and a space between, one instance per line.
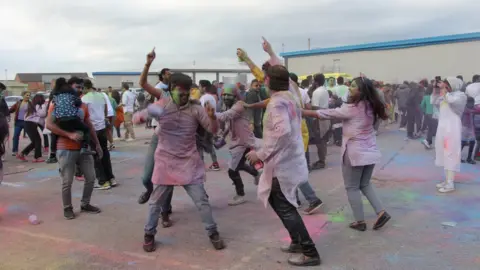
x=235, y=174
x=471, y=145
x=31, y=128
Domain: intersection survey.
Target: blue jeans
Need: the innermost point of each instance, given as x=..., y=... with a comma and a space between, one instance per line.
x=308, y=193
x=160, y=196
x=17, y=130
x=150, y=163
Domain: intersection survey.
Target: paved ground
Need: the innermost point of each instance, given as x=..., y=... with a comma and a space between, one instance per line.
x=414, y=239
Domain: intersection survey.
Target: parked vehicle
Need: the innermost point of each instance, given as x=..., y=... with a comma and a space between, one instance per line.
x=11, y=100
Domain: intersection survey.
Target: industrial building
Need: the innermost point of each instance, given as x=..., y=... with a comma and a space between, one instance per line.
x=394, y=61
x=115, y=79
x=44, y=81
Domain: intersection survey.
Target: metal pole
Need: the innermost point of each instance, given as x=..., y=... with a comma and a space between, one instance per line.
x=283, y=48
x=309, y=44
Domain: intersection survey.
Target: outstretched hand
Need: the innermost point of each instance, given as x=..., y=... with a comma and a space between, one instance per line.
x=245, y=105
x=210, y=111
x=267, y=47
x=151, y=56
x=241, y=54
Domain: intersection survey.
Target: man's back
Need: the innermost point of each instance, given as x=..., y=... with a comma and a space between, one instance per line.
x=96, y=106
x=320, y=98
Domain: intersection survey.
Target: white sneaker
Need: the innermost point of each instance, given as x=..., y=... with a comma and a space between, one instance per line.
x=427, y=145
x=447, y=189
x=113, y=182
x=236, y=200
x=442, y=184
x=130, y=140
x=117, y=139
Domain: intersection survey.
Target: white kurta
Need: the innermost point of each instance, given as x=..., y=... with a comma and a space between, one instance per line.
x=282, y=151
x=449, y=132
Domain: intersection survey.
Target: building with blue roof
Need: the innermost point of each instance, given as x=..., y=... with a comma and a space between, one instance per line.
x=394, y=61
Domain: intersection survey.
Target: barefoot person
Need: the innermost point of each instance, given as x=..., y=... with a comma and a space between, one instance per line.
x=359, y=147
x=177, y=161
x=285, y=166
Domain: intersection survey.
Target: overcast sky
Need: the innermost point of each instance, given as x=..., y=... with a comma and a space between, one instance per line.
x=115, y=35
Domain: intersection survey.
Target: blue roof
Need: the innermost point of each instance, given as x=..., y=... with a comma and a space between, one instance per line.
x=389, y=45
x=121, y=73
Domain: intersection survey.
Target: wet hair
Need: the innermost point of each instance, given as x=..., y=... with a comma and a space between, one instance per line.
x=369, y=95
x=75, y=80
x=254, y=81
x=60, y=83
x=265, y=66
x=38, y=99
x=181, y=80
x=211, y=90
x=279, y=78
x=125, y=86
x=88, y=84
x=204, y=83
x=319, y=79
x=470, y=100
x=340, y=80
x=460, y=77
x=305, y=83
x=116, y=96
x=162, y=73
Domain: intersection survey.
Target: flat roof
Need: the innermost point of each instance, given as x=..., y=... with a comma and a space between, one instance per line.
x=389, y=45
x=184, y=70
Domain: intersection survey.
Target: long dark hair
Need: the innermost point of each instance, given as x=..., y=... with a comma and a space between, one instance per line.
x=369, y=94
x=116, y=96
x=38, y=99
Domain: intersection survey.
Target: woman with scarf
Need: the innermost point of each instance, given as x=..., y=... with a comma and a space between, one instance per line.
x=237, y=123
x=451, y=103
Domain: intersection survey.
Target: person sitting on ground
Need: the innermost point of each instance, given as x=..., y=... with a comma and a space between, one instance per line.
x=66, y=113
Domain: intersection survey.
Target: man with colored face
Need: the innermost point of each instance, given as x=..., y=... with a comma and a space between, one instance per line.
x=242, y=140
x=177, y=161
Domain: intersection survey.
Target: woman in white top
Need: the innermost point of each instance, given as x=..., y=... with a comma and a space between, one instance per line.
x=36, y=112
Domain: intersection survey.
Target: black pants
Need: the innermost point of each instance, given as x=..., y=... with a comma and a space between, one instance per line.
x=292, y=221
x=53, y=145
x=257, y=131
x=412, y=120
x=403, y=118
x=235, y=174
x=103, y=166
x=118, y=132
x=35, y=140
x=75, y=124
x=471, y=145
x=477, y=148
x=45, y=137
x=432, y=124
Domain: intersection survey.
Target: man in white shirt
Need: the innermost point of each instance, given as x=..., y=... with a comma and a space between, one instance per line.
x=473, y=89
x=320, y=128
x=110, y=114
x=341, y=90
x=209, y=98
x=98, y=110
x=128, y=103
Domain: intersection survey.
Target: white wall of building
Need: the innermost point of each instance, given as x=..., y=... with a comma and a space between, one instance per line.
x=115, y=81
x=397, y=65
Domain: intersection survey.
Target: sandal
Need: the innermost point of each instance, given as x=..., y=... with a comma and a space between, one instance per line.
x=382, y=220
x=358, y=225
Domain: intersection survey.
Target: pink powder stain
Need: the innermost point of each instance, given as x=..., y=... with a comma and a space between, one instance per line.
x=464, y=177
x=316, y=226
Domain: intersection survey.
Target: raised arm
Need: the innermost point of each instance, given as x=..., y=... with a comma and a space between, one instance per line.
x=342, y=113
x=144, y=76
x=256, y=71
x=230, y=114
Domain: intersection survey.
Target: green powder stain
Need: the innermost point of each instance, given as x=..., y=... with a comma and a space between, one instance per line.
x=336, y=217
x=408, y=196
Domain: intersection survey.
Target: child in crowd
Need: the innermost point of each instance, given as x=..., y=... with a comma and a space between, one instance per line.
x=66, y=112
x=468, y=132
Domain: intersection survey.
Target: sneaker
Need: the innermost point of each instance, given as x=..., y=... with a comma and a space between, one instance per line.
x=236, y=200
x=45, y=149
x=21, y=157
x=166, y=221
x=117, y=139
x=317, y=166
x=291, y=248
x=313, y=207
x=38, y=160
x=471, y=161
x=111, y=147
x=144, y=197
x=105, y=186
x=79, y=178
x=214, y=167
x=90, y=209
x=149, y=243
x=51, y=160
x=68, y=213
x=441, y=185
x=446, y=189
x=113, y=182
x=427, y=145
x=402, y=129
x=217, y=242
x=14, y=154
x=130, y=140
x=302, y=260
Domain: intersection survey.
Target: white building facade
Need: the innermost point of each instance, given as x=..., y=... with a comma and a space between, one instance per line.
x=394, y=61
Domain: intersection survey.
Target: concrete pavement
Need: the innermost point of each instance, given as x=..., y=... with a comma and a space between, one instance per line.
x=405, y=179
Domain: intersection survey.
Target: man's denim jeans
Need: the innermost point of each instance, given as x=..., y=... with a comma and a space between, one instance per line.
x=160, y=196
x=308, y=193
x=150, y=163
x=67, y=159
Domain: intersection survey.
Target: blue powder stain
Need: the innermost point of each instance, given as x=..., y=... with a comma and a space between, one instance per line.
x=16, y=209
x=116, y=154
x=392, y=259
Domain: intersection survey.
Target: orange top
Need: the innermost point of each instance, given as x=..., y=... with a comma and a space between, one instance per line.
x=64, y=143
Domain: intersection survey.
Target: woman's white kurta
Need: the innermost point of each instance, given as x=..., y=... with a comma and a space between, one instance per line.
x=449, y=132
x=282, y=151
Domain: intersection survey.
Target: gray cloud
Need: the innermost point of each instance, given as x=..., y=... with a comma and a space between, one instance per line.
x=113, y=35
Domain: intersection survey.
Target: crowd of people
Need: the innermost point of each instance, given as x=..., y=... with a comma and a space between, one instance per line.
x=267, y=129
